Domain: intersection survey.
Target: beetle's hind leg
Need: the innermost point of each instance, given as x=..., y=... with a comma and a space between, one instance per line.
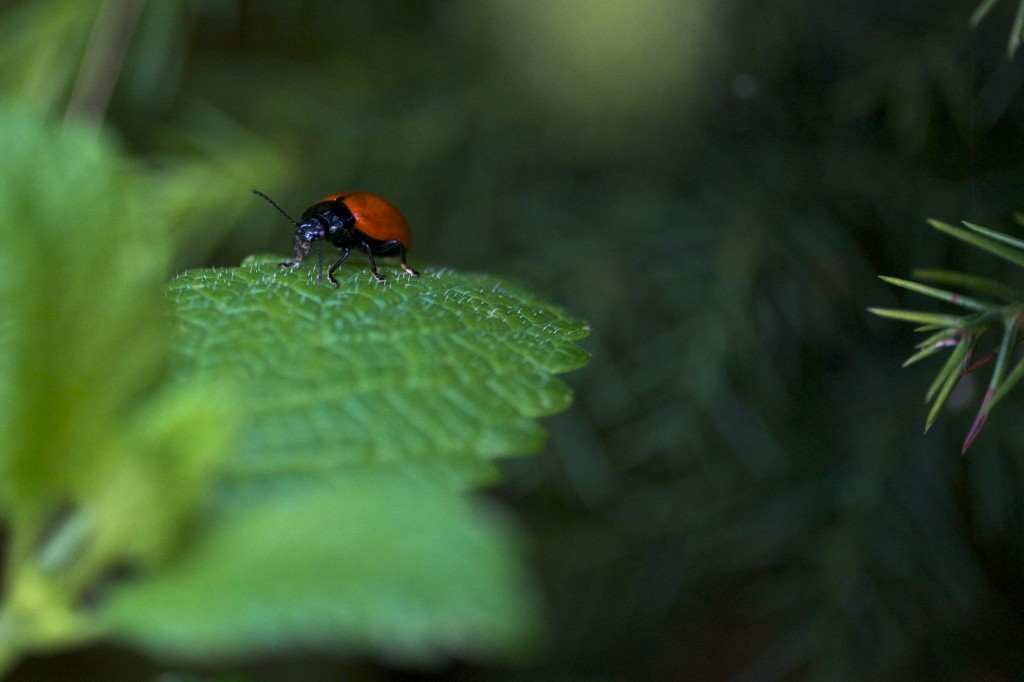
x=405, y=266
x=395, y=244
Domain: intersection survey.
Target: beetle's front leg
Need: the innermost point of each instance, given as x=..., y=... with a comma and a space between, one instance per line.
x=300, y=249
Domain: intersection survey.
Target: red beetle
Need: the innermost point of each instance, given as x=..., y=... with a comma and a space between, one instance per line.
x=351, y=220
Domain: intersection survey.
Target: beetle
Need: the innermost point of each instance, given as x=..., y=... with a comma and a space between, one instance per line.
x=351, y=220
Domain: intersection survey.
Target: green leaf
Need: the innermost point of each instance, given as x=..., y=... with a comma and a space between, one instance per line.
x=998, y=388
x=981, y=285
x=981, y=11
x=936, y=320
x=1012, y=379
x=1006, y=348
x=945, y=338
x=437, y=375
x=372, y=562
x=946, y=380
x=924, y=353
x=940, y=338
x=1016, y=31
x=102, y=464
x=168, y=458
x=995, y=236
x=941, y=294
x=995, y=247
x=85, y=335
x=953, y=365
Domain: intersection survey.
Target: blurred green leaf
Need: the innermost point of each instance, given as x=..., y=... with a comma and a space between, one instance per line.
x=941, y=294
x=374, y=563
x=41, y=45
x=1012, y=379
x=1016, y=30
x=965, y=331
x=996, y=247
x=995, y=236
x=85, y=333
x=981, y=285
x=438, y=375
x=929, y=319
x=981, y=11
x=946, y=380
x=168, y=458
x=101, y=464
x=1003, y=355
x=83, y=304
x=925, y=352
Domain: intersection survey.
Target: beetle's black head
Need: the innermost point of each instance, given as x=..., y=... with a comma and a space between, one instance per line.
x=310, y=230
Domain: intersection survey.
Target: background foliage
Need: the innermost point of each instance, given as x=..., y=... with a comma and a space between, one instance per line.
x=742, y=487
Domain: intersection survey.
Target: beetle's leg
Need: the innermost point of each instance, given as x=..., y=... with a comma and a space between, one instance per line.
x=405, y=266
x=373, y=266
x=337, y=264
x=395, y=244
x=319, y=264
x=298, y=256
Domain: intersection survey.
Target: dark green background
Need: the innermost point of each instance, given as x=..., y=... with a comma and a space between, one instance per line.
x=741, y=489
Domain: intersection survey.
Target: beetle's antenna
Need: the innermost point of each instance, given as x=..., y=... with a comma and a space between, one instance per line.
x=274, y=204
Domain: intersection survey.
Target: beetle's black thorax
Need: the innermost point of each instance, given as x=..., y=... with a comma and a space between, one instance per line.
x=338, y=222
x=341, y=230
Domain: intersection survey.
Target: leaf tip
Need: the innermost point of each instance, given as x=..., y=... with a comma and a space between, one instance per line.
x=979, y=422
